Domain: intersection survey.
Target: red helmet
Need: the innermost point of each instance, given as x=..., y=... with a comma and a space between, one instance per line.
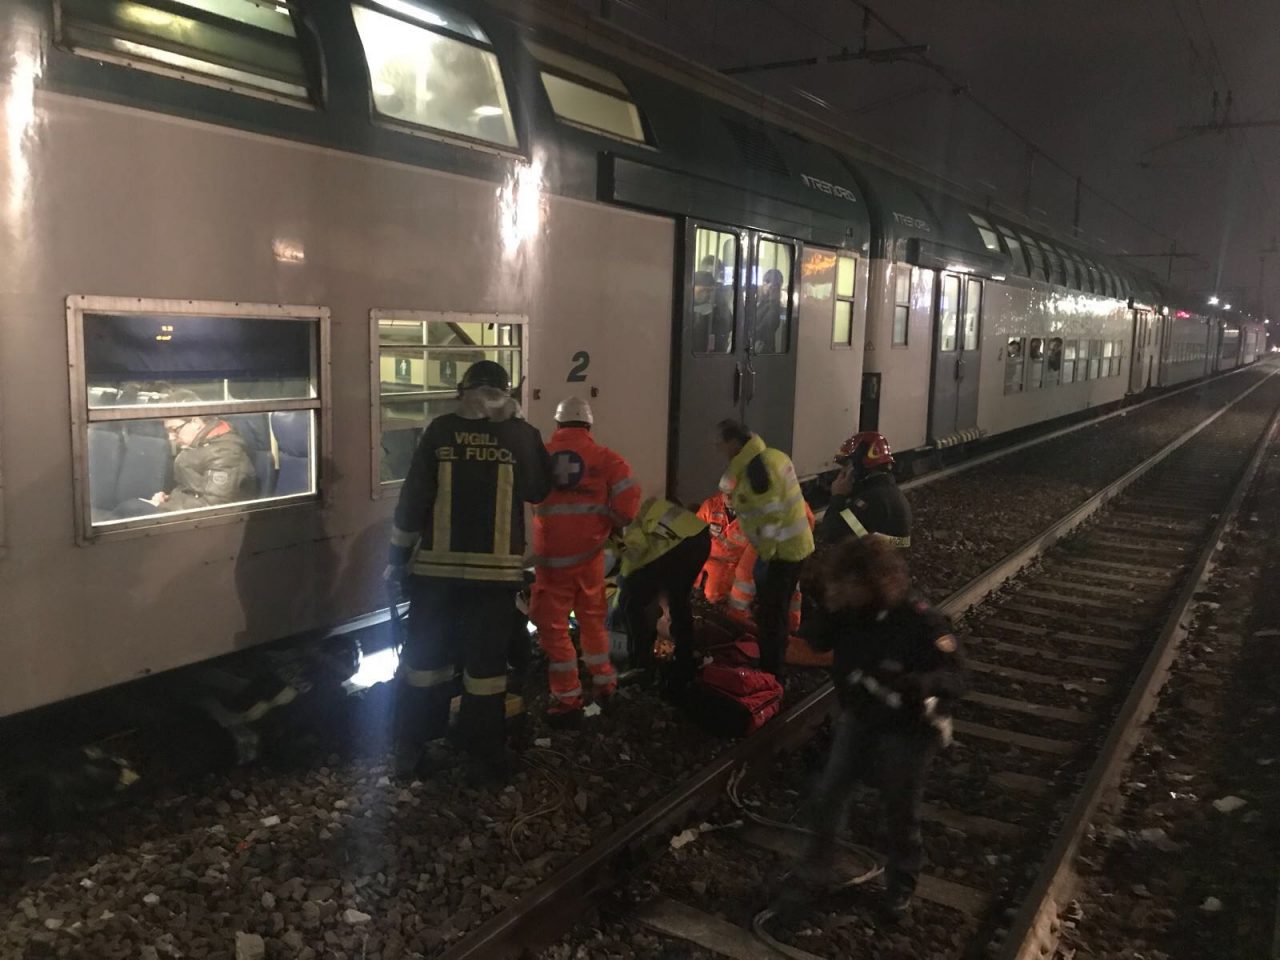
x=866, y=450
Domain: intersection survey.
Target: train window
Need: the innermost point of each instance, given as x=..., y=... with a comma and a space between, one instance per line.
x=714, y=287
x=1082, y=360
x=1053, y=362
x=972, y=313
x=1069, y=276
x=1035, y=363
x=589, y=96
x=989, y=238
x=248, y=46
x=771, y=288
x=186, y=410
x=842, y=326
x=1013, y=365
x=421, y=358
x=434, y=68
x=1015, y=251
x=1054, y=261
x=948, y=313
x=1036, y=258
x=902, y=305
x=1069, y=361
x=1095, y=359
x=1117, y=354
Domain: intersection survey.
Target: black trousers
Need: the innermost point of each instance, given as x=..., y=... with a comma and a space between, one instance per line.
x=672, y=575
x=897, y=761
x=455, y=625
x=773, y=606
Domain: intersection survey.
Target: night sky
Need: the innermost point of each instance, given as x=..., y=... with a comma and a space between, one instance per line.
x=1100, y=87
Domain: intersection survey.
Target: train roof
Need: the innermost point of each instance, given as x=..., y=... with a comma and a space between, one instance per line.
x=706, y=147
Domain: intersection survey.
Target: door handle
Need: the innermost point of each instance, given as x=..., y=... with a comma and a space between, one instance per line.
x=959, y=364
x=737, y=382
x=751, y=385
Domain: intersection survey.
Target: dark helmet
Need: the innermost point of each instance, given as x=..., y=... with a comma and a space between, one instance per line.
x=485, y=373
x=867, y=450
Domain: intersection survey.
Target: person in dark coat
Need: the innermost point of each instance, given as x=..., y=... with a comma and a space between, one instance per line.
x=898, y=670
x=865, y=499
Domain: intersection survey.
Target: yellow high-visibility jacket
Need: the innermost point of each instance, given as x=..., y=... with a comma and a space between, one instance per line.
x=774, y=519
x=659, y=526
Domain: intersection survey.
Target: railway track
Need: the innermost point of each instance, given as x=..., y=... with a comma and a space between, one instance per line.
x=1065, y=660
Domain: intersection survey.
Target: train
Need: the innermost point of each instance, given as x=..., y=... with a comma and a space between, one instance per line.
x=294, y=224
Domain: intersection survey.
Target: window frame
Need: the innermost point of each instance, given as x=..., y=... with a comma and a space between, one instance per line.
x=439, y=134
x=1017, y=384
x=1017, y=252
x=313, y=68
x=532, y=45
x=391, y=488
x=1035, y=368
x=905, y=342
x=789, y=296
x=851, y=300
x=1037, y=262
x=984, y=227
x=741, y=243
x=77, y=305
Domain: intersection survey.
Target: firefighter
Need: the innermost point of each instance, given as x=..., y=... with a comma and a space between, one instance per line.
x=727, y=544
x=459, y=531
x=898, y=670
x=761, y=486
x=865, y=498
x=662, y=554
x=593, y=493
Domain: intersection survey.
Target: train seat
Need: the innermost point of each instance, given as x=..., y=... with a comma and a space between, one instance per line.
x=147, y=465
x=106, y=450
x=292, y=430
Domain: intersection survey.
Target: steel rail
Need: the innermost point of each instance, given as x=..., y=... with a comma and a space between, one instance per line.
x=543, y=914
x=1034, y=930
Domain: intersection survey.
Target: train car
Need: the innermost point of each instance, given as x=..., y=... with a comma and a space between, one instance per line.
x=1188, y=347
x=287, y=229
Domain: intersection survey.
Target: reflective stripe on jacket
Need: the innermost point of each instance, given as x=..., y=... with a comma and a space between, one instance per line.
x=659, y=527
x=461, y=509
x=593, y=493
x=773, y=520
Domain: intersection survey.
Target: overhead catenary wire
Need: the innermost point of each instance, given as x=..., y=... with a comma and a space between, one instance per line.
x=959, y=87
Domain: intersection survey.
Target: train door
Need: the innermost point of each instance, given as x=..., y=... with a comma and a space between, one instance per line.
x=957, y=357
x=736, y=348
x=1140, y=365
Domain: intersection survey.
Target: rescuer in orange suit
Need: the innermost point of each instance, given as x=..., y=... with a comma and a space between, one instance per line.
x=593, y=493
x=727, y=543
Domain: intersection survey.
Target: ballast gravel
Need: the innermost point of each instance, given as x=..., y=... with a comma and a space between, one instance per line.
x=331, y=859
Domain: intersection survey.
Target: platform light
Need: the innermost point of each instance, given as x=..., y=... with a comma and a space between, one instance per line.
x=1213, y=301
x=1226, y=306
x=487, y=110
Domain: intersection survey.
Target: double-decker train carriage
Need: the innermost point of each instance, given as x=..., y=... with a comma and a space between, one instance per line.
x=254, y=246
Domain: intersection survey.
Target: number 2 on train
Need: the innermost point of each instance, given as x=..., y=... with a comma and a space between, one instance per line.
x=578, y=373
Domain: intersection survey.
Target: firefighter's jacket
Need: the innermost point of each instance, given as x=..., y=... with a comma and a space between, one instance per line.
x=214, y=470
x=763, y=490
x=875, y=506
x=462, y=504
x=593, y=493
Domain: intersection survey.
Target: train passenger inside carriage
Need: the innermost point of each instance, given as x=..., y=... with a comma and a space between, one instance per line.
x=212, y=466
x=175, y=410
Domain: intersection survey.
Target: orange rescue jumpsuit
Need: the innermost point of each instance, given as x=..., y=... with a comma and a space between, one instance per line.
x=727, y=543
x=593, y=494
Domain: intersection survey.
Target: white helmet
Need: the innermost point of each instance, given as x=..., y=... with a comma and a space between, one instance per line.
x=574, y=410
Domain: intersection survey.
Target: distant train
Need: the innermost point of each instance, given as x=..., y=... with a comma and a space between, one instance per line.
x=289, y=227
